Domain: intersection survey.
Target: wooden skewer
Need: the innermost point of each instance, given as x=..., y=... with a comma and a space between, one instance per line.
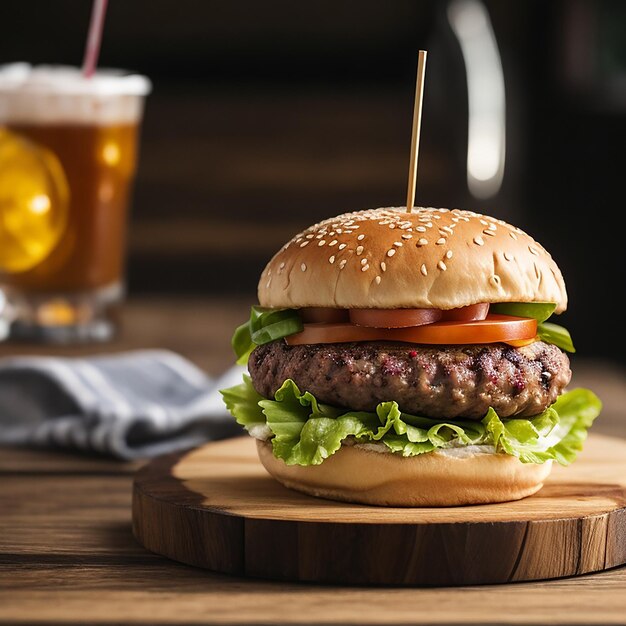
x=417, y=123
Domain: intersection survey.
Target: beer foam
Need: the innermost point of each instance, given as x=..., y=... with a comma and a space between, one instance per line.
x=48, y=94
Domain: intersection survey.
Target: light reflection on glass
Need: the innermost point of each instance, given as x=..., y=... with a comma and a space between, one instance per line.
x=470, y=23
x=40, y=204
x=111, y=153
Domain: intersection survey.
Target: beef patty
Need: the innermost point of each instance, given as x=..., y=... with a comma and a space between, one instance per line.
x=433, y=381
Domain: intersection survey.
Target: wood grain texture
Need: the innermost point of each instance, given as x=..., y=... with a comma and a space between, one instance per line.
x=215, y=507
x=68, y=556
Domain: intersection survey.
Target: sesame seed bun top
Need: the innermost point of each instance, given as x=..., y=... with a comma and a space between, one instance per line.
x=430, y=258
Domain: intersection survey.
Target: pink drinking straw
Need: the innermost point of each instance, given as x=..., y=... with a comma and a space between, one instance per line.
x=94, y=38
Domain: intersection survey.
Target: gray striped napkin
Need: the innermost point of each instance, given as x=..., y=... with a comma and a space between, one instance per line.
x=131, y=405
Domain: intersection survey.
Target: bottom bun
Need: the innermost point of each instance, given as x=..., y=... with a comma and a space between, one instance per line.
x=442, y=478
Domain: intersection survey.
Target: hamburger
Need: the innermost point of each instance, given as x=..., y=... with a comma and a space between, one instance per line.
x=406, y=359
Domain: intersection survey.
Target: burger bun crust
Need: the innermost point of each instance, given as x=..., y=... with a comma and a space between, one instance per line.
x=433, y=479
x=391, y=259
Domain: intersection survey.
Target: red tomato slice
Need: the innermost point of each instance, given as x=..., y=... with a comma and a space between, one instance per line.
x=320, y=314
x=466, y=313
x=493, y=329
x=394, y=318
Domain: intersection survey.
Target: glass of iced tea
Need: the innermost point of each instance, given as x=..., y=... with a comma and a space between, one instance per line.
x=69, y=151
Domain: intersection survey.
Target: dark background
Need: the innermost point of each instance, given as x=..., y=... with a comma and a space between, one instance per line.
x=268, y=116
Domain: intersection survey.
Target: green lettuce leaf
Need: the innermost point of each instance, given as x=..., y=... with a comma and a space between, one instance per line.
x=264, y=325
x=305, y=432
x=560, y=431
x=540, y=311
x=555, y=334
x=242, y=401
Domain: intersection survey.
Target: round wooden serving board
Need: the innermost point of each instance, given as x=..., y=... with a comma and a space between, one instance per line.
x=215, y=507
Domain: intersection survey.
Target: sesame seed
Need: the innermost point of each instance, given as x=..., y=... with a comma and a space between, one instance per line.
x=309, y=236
x=378, y=279
x=331, y=259
x=359, y=250
x=342, y=263
x=321, y=242
x=398, y=244
x=533, y=250
x=342, y=246
x=508, y=256
x=304, y=243
x=303, y=267
x=365, y=268
x=513, y=235
x=492, y=227
x=392, y=226
x=361, y=237
x=479, y=241
x=383, y=266
x=442, y=266
x=280, y=267
x=391, y=252
x=424, y=270
x=422, y=241
x=363, y=261
x=484, y=222
x=449, y=254
x=495, y=280
x=448, y=230
x=421, y=229
x=407, y=236
x=441, y=241
x=489, y=232
x=333, y=242
x=319, y=236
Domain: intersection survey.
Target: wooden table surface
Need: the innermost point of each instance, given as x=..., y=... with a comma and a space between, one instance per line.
x=67, y=554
